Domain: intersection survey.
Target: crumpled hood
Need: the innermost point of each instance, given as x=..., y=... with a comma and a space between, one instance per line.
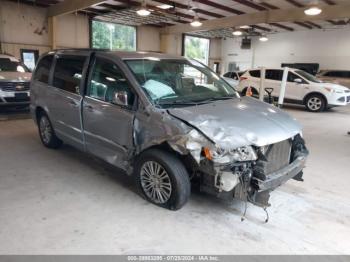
x=334, y=86
x=240, y=122
x=15, y=77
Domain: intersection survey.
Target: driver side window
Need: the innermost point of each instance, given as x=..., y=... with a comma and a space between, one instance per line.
x=291, y=77
x=106, y=80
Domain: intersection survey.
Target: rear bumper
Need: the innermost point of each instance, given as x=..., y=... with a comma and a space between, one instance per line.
x=281, y=176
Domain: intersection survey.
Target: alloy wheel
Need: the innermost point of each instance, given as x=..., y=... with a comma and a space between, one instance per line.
x=314, y=103
x=45, y=129
x=155, y=182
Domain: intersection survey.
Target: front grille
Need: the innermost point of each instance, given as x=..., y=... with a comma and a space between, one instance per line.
x=277, y=156
x=14, y=86
x=17, y=99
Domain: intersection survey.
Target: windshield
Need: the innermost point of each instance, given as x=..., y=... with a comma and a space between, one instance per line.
x=170, y=81
x=11, y=65
x=308, y=76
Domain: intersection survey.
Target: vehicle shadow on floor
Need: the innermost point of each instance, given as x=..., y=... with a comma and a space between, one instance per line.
x=198, y=199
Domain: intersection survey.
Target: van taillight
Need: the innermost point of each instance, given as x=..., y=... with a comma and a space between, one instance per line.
x=243, y=78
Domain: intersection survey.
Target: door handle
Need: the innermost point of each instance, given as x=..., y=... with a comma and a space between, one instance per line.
x=73, y=103
x=89, y=107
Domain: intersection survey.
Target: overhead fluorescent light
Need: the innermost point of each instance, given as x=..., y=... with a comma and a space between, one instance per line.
x=164, y=6
x=313, y=10
x=237, y=32
x=244, y=27
x=263, y=38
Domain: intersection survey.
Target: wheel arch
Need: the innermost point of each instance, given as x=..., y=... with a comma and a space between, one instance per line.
x=38, y=111
x=187, y=159
x=315, y=93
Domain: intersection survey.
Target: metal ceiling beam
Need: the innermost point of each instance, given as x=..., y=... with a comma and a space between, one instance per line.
x=219, y=6
x=329, y=2
x=295, y=3
x=250, y=4
x=263, y=6
x=268, y=16
x=282, y=26
x=67, y=7
x=182, y=6
x=314, y=25
x=262, y=28
x=303, y=25
x=135, y=3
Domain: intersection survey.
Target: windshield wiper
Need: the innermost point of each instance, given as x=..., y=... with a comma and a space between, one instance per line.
x=215, y=99
x=177, y=102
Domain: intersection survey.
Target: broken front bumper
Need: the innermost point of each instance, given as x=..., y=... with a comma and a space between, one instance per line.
x=281, y=176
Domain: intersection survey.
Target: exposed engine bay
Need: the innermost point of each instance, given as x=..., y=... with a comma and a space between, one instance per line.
x=252, y=181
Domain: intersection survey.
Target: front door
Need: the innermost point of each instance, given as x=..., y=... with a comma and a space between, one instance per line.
x=108, y=127
x=66, y=98
x=295, y=88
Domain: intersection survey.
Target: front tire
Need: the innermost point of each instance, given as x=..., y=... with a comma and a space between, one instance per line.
x=162, y=179
x=47, y=133
x=315, y=103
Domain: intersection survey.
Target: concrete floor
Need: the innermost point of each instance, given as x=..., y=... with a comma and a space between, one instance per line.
x=64, y=202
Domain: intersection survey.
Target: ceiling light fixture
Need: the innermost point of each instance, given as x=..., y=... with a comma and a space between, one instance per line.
x=237, y=32
x=244, y=27
x=313, y=10
x=164, y=6
x=143, y=11
x=263, y=38
x=196, y=22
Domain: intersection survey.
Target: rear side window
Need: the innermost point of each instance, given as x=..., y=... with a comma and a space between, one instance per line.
x=42, y=71
x=68, y=73
x=274, y=75
x=255, y=73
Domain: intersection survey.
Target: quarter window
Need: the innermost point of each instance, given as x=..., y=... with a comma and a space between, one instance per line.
x=107, y=79
x=274, y=75
x=42, y=71
x=68, y=73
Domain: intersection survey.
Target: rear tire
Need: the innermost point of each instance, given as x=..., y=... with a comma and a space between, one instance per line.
x=315, y=103
x=47, y=133
x=162, y=179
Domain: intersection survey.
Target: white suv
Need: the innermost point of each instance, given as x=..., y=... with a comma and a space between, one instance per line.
x=302, y=88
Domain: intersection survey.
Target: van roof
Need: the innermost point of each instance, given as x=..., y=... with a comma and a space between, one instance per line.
x=124, y=54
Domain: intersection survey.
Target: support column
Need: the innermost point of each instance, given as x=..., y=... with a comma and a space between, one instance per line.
x=52, y=32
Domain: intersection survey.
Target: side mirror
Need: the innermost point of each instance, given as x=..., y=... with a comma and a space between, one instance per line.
x=120, y=98
x=298, y=80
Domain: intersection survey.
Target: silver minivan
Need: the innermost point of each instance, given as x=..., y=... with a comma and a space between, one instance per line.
x=169, y=121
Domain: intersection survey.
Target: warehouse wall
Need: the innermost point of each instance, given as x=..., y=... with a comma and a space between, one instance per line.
x=148, y=38
x=328, y=48
x=25, y=26
x=22, y=26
